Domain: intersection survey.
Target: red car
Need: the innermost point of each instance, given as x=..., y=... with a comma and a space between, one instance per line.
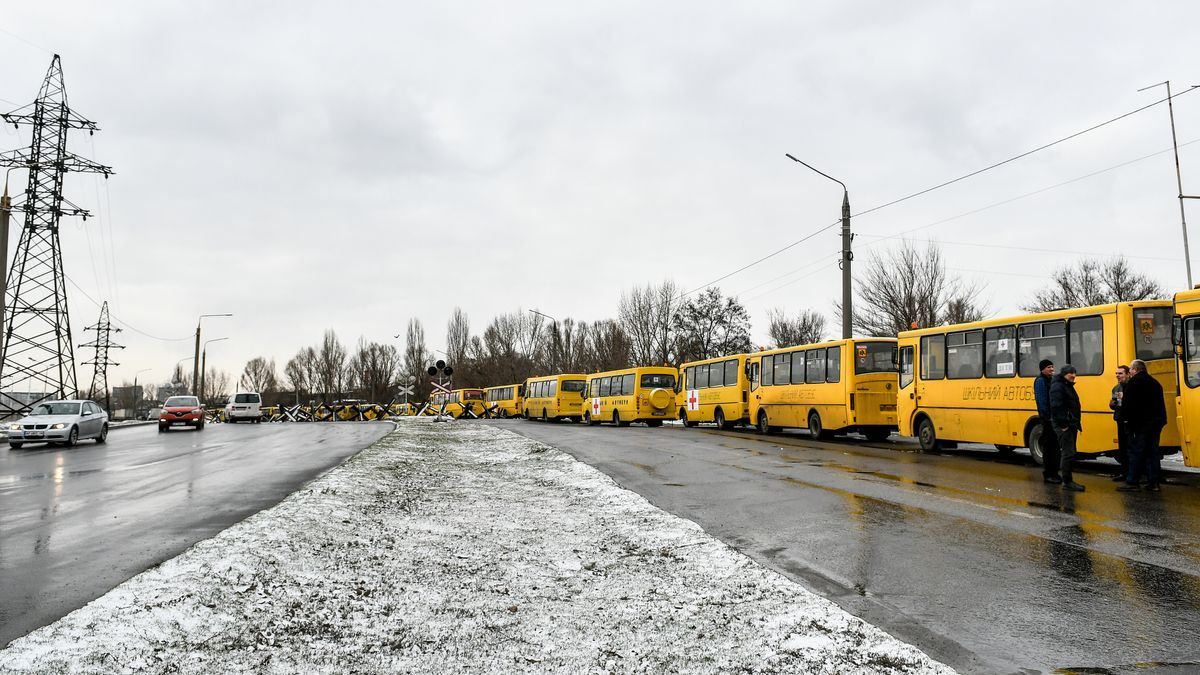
x=181, y=411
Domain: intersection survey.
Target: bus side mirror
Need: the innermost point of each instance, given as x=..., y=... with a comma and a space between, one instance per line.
x=1177, y=330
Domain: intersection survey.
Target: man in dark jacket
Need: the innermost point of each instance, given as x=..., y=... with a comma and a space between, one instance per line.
x=1114, y=404
x=1049, y=440
x=1066, y=415
x=1144, y=413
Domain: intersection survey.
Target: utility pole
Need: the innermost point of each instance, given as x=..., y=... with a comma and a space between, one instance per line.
x=1187, y=256
x=37, y=342
x=196, y=363
x=847, y=254
x=101, y=362
x=5, y=213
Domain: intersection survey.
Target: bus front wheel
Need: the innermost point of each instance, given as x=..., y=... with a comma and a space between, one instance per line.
x=927, y=436
x=591, y=421
x=764, y=425
x=686, y=422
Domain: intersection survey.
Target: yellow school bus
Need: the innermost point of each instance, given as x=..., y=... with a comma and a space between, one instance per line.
x=458, y=402
x=645, y=394
x=714, y=390
x=973, y=382
x=554, y=397
x=1187, y=337
x=505, y=401
x=827, y=388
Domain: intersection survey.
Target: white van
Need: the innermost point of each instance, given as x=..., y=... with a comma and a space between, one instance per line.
x=244, y=405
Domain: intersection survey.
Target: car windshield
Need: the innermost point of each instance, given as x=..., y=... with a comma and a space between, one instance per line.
x=662, y=380
x=573, y=385
x=182, y=402
x=245, y=398
x=56, y=409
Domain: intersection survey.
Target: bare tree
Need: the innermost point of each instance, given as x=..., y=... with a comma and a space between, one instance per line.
x=458, y=338
x=806, y=328
x=1093, y=281
x=331, y=366
x=647, y=317
x=907, y=287
x=301, y=372
x=376, y=368
x=416, y=355
x=149, y=392
x=216, y=386
x=711, y=325
x=259, y=375
x=609, y=347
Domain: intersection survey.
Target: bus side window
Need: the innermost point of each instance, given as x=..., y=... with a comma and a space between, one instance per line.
x=689, y=378
x=783, y=368
x=553, y=387
x=906, y=367
x=933, y=357
x=752, y=367
x=627, y=384
x=814, y=366
x=798, y=367
x=767, y=371
x=731, y=373
x=1191, y=351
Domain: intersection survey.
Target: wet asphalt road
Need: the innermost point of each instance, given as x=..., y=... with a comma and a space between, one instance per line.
x=75, y=522
x=967, y=554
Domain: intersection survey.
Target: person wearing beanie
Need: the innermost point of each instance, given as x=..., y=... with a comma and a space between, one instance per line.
x=1049, y=439
x=1067, y=415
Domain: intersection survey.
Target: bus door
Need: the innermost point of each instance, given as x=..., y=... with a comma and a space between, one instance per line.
x=1187, y=408
x=906, y=401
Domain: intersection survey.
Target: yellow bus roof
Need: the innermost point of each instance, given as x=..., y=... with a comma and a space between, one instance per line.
x=1039, y=316
x=559, y=376
x=715, y=359
x=655, y=370
x=827, y=343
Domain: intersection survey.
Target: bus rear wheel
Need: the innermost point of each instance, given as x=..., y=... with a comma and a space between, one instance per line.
x=927, y=436
x=763, y=425
x=1036, y=451
x=815, y=428
x=719, y=419
x=545, y=418
x=617, y=419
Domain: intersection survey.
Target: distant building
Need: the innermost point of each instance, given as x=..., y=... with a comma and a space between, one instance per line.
x=166, y=391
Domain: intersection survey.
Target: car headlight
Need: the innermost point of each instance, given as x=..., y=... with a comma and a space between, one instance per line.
x=14, y=427
x=60, y=425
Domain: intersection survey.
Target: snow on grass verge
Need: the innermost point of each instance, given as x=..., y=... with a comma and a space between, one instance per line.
x=462, y=547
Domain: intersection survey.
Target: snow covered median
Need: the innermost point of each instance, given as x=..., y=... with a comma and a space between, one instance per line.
x=461, y=547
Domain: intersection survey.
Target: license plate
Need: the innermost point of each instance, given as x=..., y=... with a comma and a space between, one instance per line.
x=659, y=413
x=34, y=434
x=176, y=424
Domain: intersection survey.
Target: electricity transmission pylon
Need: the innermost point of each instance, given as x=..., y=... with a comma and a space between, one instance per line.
x=36, y=352
x=100, y=362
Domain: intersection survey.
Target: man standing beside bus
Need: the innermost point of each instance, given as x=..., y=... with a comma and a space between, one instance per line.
x=1049, y=439
x=1114, y=404
x=1067, y=415
x=1144, y=413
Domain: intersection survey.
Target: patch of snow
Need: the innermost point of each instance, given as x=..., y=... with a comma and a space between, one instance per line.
x=452, y=547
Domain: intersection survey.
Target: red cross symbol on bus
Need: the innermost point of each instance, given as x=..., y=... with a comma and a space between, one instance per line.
x=595, y=406
x=692, y=402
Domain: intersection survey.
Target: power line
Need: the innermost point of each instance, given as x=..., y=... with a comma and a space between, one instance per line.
x=31, y=44
x=125, y=323
x=1023, y=154
x=941, y=185
x=1038, y=191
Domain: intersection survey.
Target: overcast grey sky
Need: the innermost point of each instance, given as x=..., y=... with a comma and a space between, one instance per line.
x=351, y=165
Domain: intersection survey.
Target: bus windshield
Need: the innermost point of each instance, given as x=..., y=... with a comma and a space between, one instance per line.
x=874, y=357
x=473, y=394
x=573, y=385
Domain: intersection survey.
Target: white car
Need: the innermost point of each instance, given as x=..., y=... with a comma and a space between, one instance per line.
x=65, y=422
x=245, y=405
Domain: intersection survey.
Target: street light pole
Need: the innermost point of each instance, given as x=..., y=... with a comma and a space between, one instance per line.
x=1187, y=256
x=204, y=364
x=553, y=356
x=847, y=254
x=196, y=363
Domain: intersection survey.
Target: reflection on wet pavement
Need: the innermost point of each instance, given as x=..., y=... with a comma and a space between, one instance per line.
x=976, y=561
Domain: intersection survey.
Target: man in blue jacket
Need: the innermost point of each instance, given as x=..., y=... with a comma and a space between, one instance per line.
x=1049, y=439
